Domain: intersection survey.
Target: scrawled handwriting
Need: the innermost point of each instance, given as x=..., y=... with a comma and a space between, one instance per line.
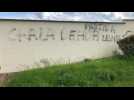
x=89, y=32
x=32, y=34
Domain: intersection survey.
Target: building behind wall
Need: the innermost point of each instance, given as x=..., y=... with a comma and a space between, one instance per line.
x=27, y=43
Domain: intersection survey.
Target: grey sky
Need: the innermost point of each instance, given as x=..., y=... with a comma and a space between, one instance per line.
x=73, y=16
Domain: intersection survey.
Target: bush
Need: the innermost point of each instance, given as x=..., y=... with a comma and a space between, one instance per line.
x=118, y=55
x=127, y=45
x=87, y=60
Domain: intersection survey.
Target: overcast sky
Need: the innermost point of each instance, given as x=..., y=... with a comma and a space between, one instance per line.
x=72, y=16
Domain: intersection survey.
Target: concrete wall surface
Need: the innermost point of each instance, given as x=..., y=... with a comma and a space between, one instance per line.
x=28, y=44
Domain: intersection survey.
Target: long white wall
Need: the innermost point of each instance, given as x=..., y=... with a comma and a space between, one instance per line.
x=25, y=44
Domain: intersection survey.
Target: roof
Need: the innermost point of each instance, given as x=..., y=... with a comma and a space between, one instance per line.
x=61, y=21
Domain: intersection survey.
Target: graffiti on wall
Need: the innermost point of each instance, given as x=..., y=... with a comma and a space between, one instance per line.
x=99, y=28
x=90, y=32
x=31, y=34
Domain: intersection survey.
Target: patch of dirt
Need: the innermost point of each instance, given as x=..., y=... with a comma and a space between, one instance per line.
x=3, y=78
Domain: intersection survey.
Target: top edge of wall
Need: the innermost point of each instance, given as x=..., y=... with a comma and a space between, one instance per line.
x=127, y=19
x=113, y=22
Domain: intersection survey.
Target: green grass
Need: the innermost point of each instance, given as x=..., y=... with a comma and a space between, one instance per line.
x=108, y=72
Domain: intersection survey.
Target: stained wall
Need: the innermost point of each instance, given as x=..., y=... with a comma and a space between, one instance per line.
x=28, y=44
